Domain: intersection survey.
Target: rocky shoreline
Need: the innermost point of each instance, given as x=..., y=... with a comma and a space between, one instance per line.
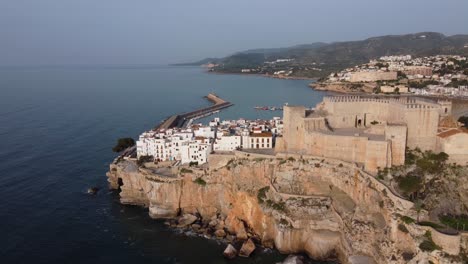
x=215, y=228
x=324, y=208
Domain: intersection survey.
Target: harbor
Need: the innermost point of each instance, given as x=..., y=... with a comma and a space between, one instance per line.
x=182, y=120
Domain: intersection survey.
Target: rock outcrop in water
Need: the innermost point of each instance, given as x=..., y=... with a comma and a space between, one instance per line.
x=324, y=208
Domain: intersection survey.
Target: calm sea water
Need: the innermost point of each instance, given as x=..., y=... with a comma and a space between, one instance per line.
x=57, y=127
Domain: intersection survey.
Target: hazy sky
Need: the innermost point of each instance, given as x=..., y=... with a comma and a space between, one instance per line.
x=159, y=32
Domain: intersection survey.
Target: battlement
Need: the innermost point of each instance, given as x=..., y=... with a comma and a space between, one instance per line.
x=405, y=102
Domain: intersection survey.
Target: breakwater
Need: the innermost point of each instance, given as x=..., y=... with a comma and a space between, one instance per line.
x=179, y=120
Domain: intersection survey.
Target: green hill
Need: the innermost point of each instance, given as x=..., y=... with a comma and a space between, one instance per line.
x=330, y=57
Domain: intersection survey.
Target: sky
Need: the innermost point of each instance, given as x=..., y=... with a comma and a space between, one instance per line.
x=97, y=32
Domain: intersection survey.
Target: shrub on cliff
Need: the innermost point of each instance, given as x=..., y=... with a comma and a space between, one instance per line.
x=184, y=170
x=403, y=228
x=261, y=195
x=410, y=184
x=200, y=181
x=123, y=143
x=428, y=245
x=458, y=222
x=144, y=159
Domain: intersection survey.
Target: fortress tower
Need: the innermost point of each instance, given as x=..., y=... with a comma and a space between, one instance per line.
x=372, y=131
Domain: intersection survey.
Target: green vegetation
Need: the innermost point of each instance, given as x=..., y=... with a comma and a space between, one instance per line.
x=407, y=219
x=459, y=222
x=424, y=84
x=333, y=57
x=403, y=228
x=456, y=83
x=280, y=206
x=291, y=159
x=411, y=156
x=123, y=143
x=374, y=122
x=431, y=162
x=144, y=159
x=200, y=181
x=431, y=224
x=407, y=256
x=261, y=195
x=282, y=162
x=410, y=184
x=464, y=120
x=185, y=170
x=381, y=65
x=428, y=244
x=193, y=163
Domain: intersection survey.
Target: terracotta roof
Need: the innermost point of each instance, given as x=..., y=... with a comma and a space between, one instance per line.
x=451, y=132
x=263, y=134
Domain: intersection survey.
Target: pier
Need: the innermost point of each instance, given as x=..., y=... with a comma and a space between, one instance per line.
x=180, y=120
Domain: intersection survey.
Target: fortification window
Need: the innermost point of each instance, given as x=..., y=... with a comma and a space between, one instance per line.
x=446, y=110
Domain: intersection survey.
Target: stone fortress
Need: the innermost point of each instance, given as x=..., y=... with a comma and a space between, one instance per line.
x=370, y=131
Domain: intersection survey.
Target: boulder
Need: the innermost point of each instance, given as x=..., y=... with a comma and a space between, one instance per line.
x=186, y=219
x=293, y=259
x=242, y=234
x=196, y=227
x=220, y=233
x=93, y=190
x=247, y=248
x=230, y=252
x=213, y=223
x=220, y=225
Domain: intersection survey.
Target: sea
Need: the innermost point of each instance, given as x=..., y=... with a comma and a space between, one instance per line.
x=57, y=128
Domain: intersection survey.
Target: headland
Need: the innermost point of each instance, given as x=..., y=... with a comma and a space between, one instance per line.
x=330, y=182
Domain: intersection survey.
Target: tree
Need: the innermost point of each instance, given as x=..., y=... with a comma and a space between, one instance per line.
x=123, y=143
x=464, y=120
x=410, y=184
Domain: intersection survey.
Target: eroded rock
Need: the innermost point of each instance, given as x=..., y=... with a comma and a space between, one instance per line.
x=186, y=219
x=293, y=259
x=220, y=233
x=247, y=248
x=230, y=252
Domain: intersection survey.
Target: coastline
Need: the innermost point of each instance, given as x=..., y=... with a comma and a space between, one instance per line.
x=262, y=75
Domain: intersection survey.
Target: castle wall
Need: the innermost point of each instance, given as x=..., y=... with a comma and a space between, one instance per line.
x=315, y=124
x=293, y=129
x=378, y=155
x=397, y=135
x=422, y=122
x=371, y=154
x=373, y=76
x=405, y=121
x=455, y=146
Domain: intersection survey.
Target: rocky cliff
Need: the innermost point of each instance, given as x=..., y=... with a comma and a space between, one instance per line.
x=324, y=208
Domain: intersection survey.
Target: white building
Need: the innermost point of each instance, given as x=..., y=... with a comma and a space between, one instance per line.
x=227, y=142
x=171, y=145
x=257, y=140
x=196, y=150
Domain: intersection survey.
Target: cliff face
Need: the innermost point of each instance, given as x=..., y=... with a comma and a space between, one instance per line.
x=319, y=207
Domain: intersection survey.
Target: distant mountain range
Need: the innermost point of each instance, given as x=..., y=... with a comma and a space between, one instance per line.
x=339, y=55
